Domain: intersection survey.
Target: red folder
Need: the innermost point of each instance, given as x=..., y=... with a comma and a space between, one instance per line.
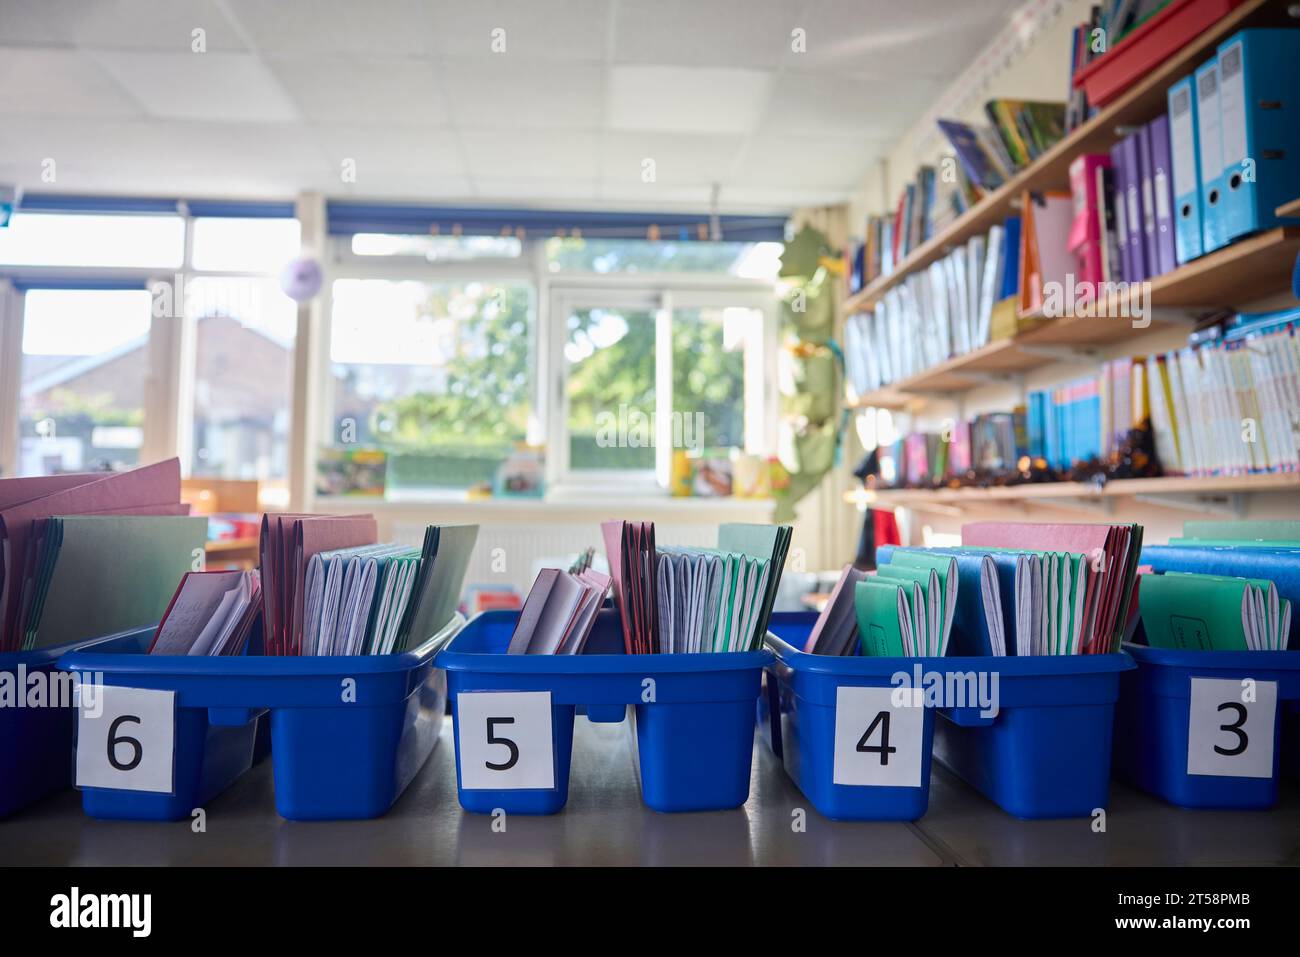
x=1112, y=550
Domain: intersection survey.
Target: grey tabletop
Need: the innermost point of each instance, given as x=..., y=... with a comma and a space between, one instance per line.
x=605, y=823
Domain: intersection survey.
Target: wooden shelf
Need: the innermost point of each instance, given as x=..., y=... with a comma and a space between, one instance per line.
x=1120, y=488
x=1003, y=358
x=1248, y=269
x=1143, y=101
x=1289, y=209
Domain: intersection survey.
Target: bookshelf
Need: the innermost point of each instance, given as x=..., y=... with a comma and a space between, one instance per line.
x=1045, y=492
x=1289, y=209
x=1246, y=270
x=1140, y=103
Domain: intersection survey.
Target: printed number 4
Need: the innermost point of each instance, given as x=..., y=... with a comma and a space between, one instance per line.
x=883, y=749
x=492, y=738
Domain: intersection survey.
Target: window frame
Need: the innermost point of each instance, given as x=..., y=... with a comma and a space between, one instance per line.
x=169, y=393
x=663, y=293
x=169, y=407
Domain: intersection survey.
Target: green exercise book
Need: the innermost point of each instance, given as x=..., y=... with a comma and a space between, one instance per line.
x=1193, y=612
x=944, y=569
x=885, y=616
x=767, y=543
x=103, y=574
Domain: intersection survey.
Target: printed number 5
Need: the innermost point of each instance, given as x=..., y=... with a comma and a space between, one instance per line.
x=883, y=749
x=1234, y=728
x=492, y=738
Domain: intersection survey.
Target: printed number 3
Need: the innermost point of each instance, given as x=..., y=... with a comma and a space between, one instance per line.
x=133, y=743
x=1234, y=728
x=492, y=738
x=883, y=749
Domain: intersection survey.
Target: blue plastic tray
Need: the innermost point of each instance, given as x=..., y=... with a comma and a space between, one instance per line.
x=1155, y=708
x=797, y=718
x=332, y=760
x=695, y=741
x=1047, y=753
x=36, y=743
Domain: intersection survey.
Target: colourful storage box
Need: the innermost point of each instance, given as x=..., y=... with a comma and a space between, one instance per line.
x=694, y=718
x=334, y=759
x=1156, y=751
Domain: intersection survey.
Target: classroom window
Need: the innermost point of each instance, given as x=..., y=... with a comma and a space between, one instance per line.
x=263, y=246
x=84, y=365
x=243, y=377
x=124, y=241
x=648, y=373
x=437, y=375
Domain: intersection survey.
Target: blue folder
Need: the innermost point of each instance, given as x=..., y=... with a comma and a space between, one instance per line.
x=1279, y=565
x=1185, y=153
x=1259, y=83
x=970, y=632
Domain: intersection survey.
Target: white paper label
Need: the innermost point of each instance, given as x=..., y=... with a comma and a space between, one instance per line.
x=1230, y=728
x=877, y=743
x=505, y=740
x=129, y=744
x=1162, y=197
x=1232, y=104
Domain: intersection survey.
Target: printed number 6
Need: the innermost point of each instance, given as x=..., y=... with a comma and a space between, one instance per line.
x=114, y=741
x=493, y=739
x=1235, y=728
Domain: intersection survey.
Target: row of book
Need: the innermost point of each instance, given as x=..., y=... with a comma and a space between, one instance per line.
x=1223, y=405
x=1229, y=406
x=990, y=443
x=1010, y=588
x=945, y=310
x=1018, y=132
x=671, y=600
x=1107, y=24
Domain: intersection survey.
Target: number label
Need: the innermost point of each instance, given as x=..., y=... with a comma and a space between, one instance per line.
x=505, y=740
x=129, y=744
x=877, y=743
x=1228, y=736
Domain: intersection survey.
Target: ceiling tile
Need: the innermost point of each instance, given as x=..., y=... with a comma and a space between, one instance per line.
x=723, y=33
x=678, y=158
x=163, y=25
x=805, y=162
x=48, y=82
x=538, y=29
x=885, y=40
x=380, y=151
x=680, y=99
x=235, y=87
x=385, y=28
x=827, y=105
x=361, y=90
x=505, y=93
x=525, y=190
x=512, y=154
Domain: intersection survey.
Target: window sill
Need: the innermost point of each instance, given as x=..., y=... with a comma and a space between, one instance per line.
x=557, y=500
